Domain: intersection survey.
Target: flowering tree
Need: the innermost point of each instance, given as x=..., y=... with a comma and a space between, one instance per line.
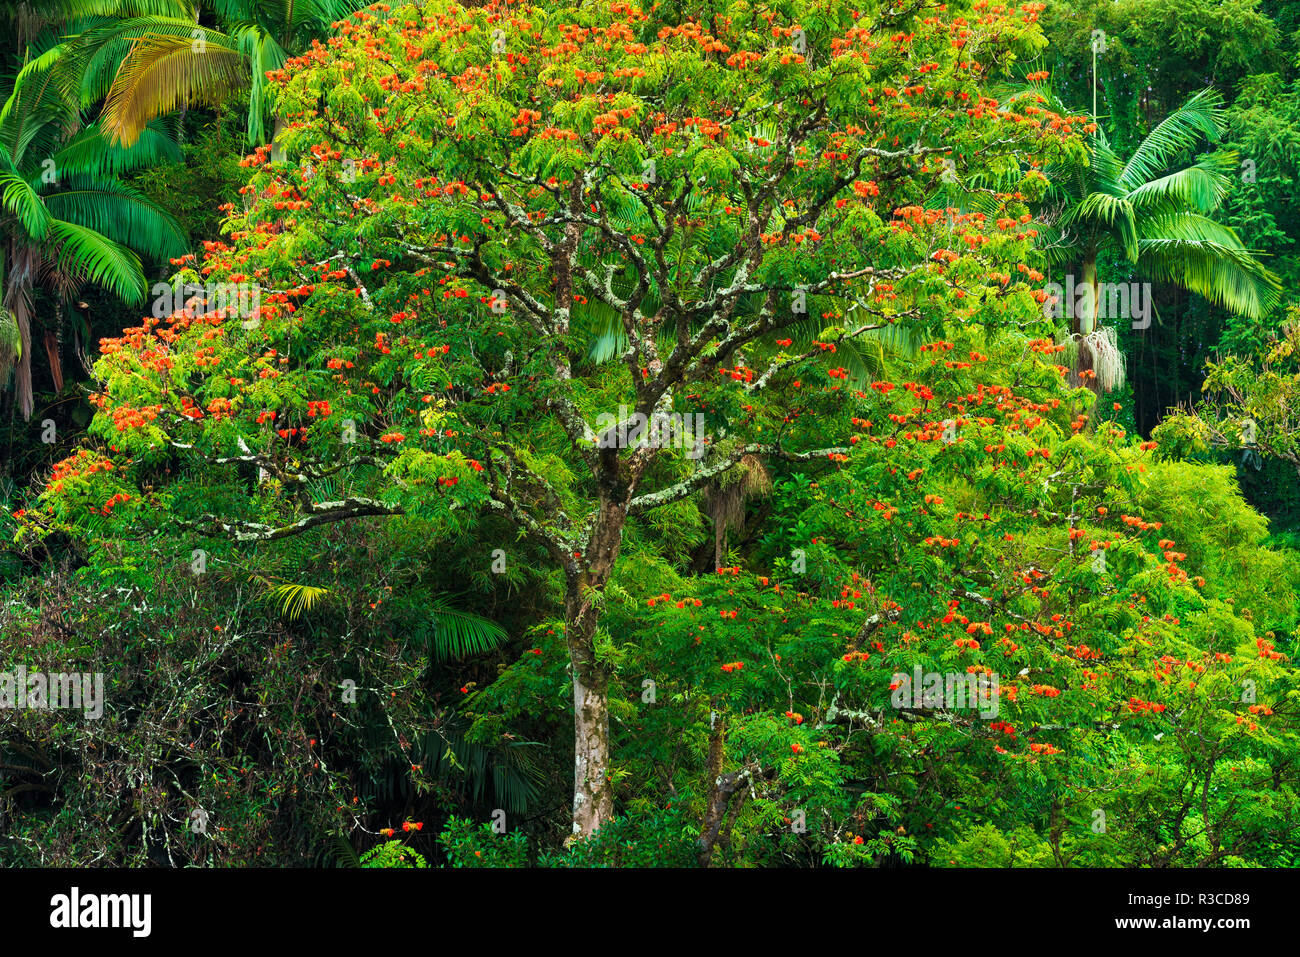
x=1122, y=695
x=473, y=196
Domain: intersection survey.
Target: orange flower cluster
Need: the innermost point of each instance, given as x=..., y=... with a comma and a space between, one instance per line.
x=1137, y=706
x=1137, y=523
x=83, y=464
x=740, y=373
x=1266, y=650
x=665, y=597
x=125, y=417
x=743, y=58
x=112, y=502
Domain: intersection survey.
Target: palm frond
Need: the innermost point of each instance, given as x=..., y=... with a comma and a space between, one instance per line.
x=295, y=600
x=76, y=9
x=164, y=72
x=259, y=49
x=1201, y=116
x=1228, y=276
x=509, y=774
x=11, y=343
x=1116, y=213
x=1201, y=187
x=602, y=326
x=85, y=254
x=35, y=118
x=340, y=850
x=89, y=151
x=18, y=197
x=461, y=633
x=1105, y=170
x=119, y=212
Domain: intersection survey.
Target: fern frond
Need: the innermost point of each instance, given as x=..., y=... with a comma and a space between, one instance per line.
x=295, y=600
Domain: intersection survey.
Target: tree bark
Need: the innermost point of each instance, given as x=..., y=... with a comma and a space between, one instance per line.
x=1087, y=322
x=593, y=800
x=277, y=147
x=17, y=299
x=593, y=797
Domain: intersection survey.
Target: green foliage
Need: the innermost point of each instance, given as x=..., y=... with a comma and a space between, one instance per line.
x=1159, y=216
x=391, y=854
x=645, y=838
x=476, y=845
x=196, y=188
x=903, y=479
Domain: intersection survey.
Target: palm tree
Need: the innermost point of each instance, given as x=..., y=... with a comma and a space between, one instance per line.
x=148, y=58
x=1157, y=220
x=67, y=218
x=726, y=496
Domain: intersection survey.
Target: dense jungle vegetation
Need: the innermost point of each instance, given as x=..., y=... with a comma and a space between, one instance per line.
x=732, y=433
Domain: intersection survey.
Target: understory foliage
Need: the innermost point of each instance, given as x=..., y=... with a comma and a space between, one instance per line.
x=343, y=561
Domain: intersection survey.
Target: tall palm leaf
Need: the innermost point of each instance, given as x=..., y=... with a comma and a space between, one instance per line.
x=66, y=218
x=458, y=634
x=147, y=64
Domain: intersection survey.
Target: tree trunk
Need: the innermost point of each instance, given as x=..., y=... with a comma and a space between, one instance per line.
x=1087, y=305
x=277, y=147
x=593, y=798
x=17, y=299
x=1086, y=318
